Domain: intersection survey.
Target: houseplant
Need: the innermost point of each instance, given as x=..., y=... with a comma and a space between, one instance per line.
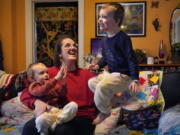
x=140, y=56
x=175, y=52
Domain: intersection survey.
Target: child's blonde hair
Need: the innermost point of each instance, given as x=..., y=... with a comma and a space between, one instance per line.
x=117, y=9
x=31, y=71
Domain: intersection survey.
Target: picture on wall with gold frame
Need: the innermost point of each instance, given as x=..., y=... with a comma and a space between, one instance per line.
x=134, y=23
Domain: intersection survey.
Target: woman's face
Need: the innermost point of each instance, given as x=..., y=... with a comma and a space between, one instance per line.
x=69, y=50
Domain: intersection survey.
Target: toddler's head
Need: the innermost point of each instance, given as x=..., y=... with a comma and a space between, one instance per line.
x=37, y=72
x=110, y=15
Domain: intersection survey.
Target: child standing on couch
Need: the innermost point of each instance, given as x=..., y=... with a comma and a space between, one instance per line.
x=117, y=50
x=50, y=92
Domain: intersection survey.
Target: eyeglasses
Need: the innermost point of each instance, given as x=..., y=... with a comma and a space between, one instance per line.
x=70, y=45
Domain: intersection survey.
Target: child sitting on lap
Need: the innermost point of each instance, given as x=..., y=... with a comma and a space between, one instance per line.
x=49, y=91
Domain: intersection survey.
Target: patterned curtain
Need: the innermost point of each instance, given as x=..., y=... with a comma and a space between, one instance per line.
x=53, y=20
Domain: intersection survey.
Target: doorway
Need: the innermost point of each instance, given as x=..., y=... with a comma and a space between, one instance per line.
x=31, y=31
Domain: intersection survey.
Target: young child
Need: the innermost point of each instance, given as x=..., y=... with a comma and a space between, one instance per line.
x=50, y=92
x=117, y=50
x=111, y=90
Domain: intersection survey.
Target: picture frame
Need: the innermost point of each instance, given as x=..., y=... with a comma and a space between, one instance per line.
x=96, y=46
x=134, y=23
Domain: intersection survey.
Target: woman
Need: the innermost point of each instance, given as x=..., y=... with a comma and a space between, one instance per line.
x=77, y=90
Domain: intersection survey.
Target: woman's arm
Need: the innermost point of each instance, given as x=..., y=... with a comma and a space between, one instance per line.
x=33, y=103
x=40, y=107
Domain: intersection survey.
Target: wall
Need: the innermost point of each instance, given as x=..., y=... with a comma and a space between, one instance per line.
x=12, y=34
x=12, y=29
x=150, y=43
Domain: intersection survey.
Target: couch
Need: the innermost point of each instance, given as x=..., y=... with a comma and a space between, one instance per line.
x=12, y=84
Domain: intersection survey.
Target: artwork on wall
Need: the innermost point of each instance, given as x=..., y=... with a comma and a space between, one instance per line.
x=96, y=46
x=156, y=24
x=51, y=21
x=134, y=23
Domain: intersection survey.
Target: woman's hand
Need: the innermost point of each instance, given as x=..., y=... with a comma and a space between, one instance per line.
x=40, y=107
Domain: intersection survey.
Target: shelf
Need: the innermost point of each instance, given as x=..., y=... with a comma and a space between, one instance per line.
x=160, y=65
x=165, y=67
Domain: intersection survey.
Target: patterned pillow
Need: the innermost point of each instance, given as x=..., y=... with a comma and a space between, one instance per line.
x=150, y=101
x=150, y=93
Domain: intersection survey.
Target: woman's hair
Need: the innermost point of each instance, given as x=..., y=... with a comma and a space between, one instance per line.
x=58, y=51
x=117, y=9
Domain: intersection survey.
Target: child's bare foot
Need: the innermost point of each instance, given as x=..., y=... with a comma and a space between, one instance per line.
x=100, y=118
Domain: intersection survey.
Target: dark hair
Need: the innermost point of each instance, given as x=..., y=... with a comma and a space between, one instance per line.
x=58, y=51
x=118, y=10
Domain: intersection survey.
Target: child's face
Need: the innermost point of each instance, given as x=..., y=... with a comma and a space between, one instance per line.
x=106, y=20
x=40, y=73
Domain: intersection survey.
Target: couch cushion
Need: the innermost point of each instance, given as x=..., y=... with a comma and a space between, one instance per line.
x=170, y=88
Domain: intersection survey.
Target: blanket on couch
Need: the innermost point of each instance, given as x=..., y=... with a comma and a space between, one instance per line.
x=15, y=114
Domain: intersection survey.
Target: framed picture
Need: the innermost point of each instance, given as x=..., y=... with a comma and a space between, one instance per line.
x=96, y=46
x=134, y=20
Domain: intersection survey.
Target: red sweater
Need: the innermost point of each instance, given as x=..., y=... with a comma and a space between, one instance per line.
x=77, y=91
x=49, y=91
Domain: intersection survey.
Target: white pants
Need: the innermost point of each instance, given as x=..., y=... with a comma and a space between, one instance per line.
x=105, y=86
x=55, y=116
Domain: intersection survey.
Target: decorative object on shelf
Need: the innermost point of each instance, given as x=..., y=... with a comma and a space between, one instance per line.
x=156, y=24
x=161, y=50
x=155, y=60
x=175, y=52
x=154, y=4
x=161, y=53
x=150, y=60
x=140, y=56
x=89, y=59
x=134, y=23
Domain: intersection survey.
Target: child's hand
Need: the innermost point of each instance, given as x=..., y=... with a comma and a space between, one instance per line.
x=40, y=107
x=62, y=73
x=92, y=66
x=134, y=87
